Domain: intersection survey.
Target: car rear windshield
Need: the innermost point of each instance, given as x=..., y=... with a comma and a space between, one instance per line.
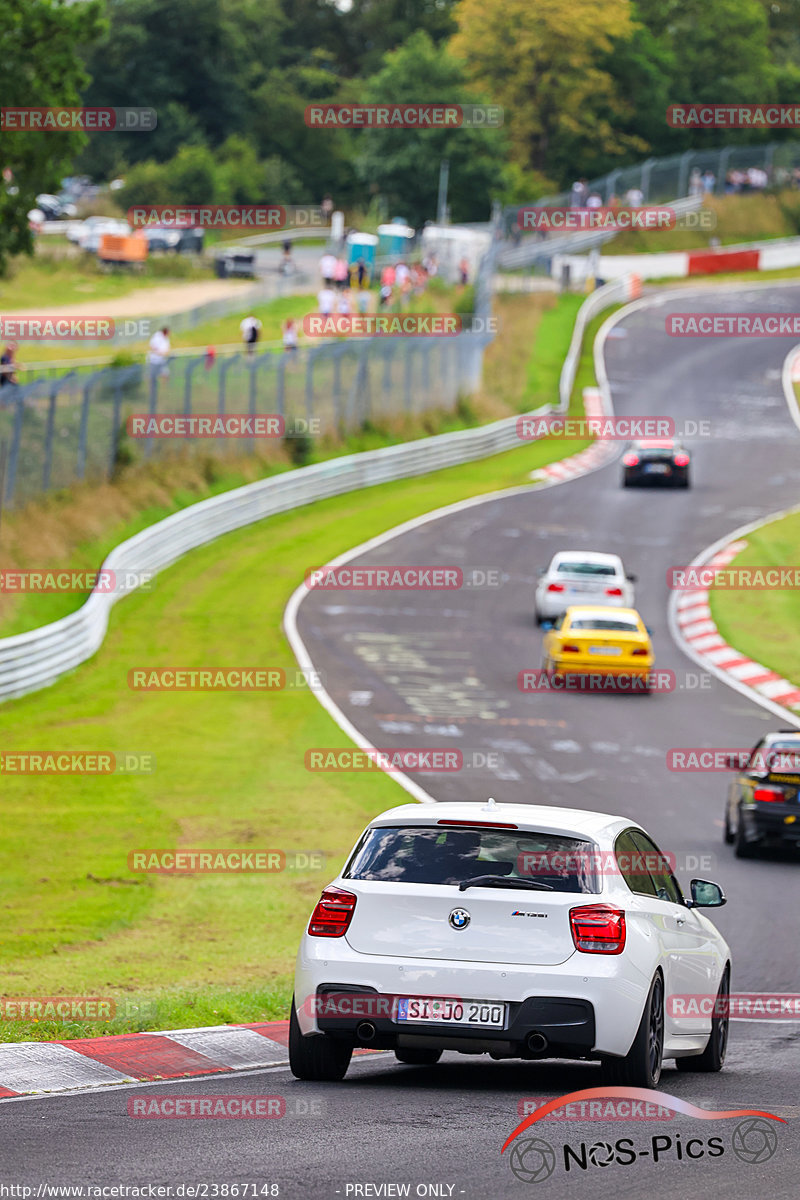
x=430, y=854
x=585, y=568
x=657, y=452
x=605, y=623
x=779, y=757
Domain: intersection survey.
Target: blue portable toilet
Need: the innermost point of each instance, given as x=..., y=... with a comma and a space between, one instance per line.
x=362, y=245
x=395, y=239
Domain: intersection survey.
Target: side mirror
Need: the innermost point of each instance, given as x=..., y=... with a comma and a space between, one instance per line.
x=649, y=629
x=541, y=570
x=632, y=578
x=706, y=894
x=548, y=625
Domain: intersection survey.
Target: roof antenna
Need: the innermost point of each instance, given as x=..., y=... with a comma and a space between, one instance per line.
x=490, y=805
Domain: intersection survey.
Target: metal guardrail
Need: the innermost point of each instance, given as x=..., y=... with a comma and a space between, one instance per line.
x=532, y=249
x=626, y=288
x=33, y=660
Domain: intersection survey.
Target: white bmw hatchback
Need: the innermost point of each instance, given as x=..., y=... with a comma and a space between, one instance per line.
x=582, y=577
x=516, y=931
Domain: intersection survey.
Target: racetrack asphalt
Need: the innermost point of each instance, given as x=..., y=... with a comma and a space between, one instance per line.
x=440, y=669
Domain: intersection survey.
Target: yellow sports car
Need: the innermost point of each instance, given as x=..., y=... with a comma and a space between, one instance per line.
x=599, y=641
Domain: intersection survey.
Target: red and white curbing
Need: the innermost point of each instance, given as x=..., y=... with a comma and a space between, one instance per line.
x=596, y=455
x=697, y=628
x=28, y=1068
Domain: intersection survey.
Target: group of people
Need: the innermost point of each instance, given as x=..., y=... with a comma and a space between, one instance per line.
x=581, y=197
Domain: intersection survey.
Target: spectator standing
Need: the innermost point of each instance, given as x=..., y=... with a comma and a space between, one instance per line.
x=343, y=303
x=326, y=298
x=634, y=197
x=287, y=265
x=695, y=182
x=594, y=201
x=250, y=329
x=341, y=273
x=8, y=365
x=327, y=268
x=401, y=275
x=158, y=355
x=463, y=272
x=709, y=181
x=430, y=264
x=289, y=336
x=577, y=195
x=388, y=276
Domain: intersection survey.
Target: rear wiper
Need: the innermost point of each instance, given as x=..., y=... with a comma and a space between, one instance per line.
x=503, y=881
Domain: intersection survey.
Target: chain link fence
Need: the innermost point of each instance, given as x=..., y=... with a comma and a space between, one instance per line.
x=661, y=179
x=74, y=427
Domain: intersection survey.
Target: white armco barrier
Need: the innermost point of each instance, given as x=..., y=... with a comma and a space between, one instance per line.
x=36, y=659
x=750, y=256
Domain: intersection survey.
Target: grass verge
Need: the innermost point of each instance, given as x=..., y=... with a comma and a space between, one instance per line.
x=185, y=950
x=764, y=623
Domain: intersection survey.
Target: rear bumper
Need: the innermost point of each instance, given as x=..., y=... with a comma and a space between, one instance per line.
x=767, y=823
x=563, y=1027
x=602, y=666
x=603, y=997
x=635, y=475
x=549, y=605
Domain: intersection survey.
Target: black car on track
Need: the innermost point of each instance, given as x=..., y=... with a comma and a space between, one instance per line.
x=763, y=805
x=660, y=461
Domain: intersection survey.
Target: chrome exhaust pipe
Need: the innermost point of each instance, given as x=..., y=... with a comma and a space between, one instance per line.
x=365, y=1031
x=536, y=1042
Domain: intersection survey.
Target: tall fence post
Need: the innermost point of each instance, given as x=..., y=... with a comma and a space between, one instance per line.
x=83, y=435
x=48, y=437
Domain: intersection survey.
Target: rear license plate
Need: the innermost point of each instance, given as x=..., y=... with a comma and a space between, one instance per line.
x=451, y=1012
x=657, y=468
x=605, y=650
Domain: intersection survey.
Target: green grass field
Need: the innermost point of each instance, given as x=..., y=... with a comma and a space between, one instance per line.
x=765, y=624
x=229, y=771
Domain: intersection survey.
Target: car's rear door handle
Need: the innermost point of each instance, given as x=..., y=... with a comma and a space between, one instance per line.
x=681, y=920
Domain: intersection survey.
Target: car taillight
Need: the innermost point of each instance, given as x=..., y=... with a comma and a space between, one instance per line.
x=639, y=650
x=568, y=648
x=681, y=460
x=598, y=929
x=333, y=913
x=556, y=587
x=614, y=591
x=770, y=795
x=631, y=460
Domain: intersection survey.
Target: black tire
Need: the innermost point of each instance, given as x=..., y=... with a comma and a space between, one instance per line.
x=713, y=1057
x=641, y=1066
x=741, y=847
x=728, y=833
x=418, y=1058
x=625, y=481
x=319, y=1058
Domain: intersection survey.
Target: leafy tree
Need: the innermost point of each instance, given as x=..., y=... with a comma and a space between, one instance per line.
x=195, y=61
x=720, y=53
x=544, y=64
x=42, y=68
x=403, y=164
x=321, y=158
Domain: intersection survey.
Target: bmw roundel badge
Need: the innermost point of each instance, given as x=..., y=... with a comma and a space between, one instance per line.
x=459, y=918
